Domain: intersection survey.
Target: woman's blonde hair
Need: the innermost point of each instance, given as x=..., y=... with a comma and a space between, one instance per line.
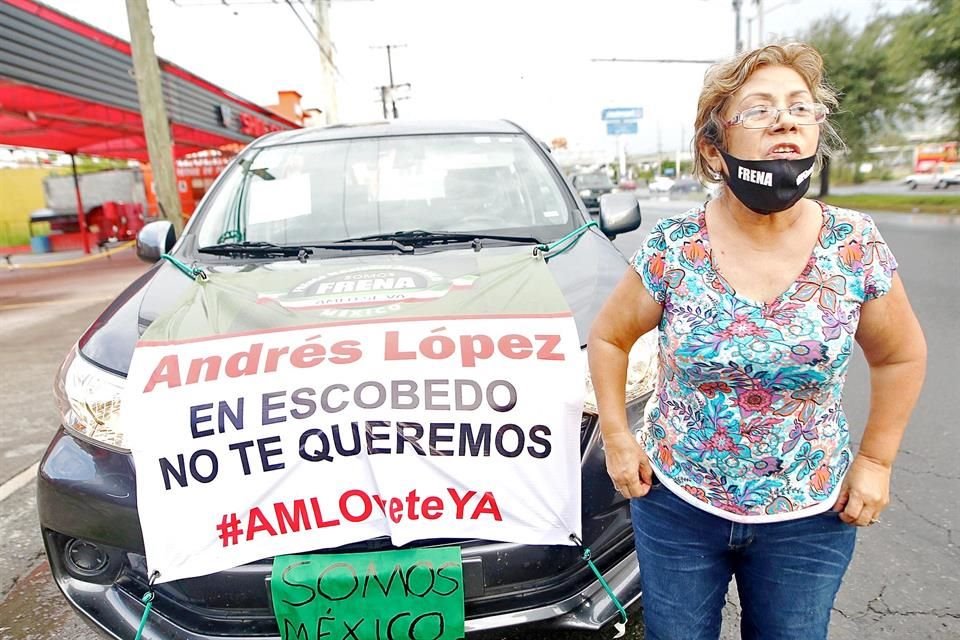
x=723, y=80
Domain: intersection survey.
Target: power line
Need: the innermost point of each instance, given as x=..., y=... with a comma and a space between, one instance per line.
x=321, y=29
x=654, y=60
x=217, y=3
x=184, y=4
x=323, y=49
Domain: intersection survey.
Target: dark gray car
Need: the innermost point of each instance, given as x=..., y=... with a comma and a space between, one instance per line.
x=501, y=192
x=591, y=187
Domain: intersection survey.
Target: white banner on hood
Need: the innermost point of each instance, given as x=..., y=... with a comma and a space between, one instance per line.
x=287, y=441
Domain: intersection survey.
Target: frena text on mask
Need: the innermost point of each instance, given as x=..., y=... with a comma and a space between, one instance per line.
x=757, y=177
x=768, y=186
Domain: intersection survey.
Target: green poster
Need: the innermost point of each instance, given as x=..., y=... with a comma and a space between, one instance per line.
x=387, y=595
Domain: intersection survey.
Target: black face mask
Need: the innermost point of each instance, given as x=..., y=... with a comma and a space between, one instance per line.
x=768, y=186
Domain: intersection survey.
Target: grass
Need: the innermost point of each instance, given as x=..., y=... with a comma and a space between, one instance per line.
x=14, y=233
x=910, y=203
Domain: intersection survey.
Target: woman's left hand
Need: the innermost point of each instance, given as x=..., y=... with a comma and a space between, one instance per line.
x=865, y=492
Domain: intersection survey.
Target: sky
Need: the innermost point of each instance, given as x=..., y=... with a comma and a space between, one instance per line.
x=530, y=61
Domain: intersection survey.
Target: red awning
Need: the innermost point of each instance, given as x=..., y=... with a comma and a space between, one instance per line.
x=40, y=118
x=44, y=108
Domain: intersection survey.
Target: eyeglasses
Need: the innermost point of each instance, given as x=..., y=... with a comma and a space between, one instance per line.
x=803, y=113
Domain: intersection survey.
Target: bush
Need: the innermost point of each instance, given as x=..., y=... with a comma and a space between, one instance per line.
x=14, y=233
x=910, y=203
x=39, y=229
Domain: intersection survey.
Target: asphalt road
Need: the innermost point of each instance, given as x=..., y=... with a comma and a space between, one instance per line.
x=903, y=582
x=42, y=313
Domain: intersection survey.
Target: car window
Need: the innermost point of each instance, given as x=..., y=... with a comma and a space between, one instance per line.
x=333, y=190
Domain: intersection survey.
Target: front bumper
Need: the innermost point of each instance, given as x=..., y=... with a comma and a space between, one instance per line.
x=88, y=493
x=115, y=609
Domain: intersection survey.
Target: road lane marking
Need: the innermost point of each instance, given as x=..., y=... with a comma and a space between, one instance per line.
x=18, y=481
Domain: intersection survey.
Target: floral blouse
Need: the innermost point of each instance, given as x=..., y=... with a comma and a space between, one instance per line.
x=747, y=422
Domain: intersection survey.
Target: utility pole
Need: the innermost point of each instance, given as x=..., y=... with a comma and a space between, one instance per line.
x=676, y=173
x=738, y=44
x=387, y=91
x=386, y=97
x=622, y=157
x=761, y=14
x=156, y=128
x=327, y=68
x=659, y=151
x=390, y=70
x=759, y=4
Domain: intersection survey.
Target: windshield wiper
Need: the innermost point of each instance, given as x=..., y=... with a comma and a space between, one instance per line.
x=253, y=249
x=420, y=237
x=300, y=251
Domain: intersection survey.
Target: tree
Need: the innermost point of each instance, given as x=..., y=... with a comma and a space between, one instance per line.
x=930, y=38
x=874, y=87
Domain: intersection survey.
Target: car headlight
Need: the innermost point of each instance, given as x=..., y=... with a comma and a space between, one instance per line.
x=641, y=373
x=585, y=193
x=89, y=401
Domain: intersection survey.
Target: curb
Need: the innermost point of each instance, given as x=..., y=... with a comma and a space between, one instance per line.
x=10, y=266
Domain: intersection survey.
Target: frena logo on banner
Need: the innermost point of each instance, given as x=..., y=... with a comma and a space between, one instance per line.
x=261, y=427
x=368, y=286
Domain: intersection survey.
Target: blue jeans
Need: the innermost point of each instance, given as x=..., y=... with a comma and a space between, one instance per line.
x=788, y=573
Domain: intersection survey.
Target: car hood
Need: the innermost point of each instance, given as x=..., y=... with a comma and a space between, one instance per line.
x=585, y=273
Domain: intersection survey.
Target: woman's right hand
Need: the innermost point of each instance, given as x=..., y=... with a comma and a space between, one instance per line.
x=627, y=465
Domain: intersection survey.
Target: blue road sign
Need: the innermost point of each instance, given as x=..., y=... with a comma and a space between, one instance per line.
x=623, y=113
x=628, y=128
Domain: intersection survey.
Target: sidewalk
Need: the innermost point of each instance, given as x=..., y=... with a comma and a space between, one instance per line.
x=65, y=257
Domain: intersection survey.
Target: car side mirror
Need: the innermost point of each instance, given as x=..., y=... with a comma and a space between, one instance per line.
x=155, y=239
x=619, y=213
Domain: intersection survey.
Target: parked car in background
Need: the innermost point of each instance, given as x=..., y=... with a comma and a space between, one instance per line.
x=939, y=178
x=451, y=194
x=590, y=186
x=660, y=184
x=686, y=185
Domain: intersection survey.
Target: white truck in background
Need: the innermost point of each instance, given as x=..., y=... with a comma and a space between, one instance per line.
x=113, y=201
x=116, y=185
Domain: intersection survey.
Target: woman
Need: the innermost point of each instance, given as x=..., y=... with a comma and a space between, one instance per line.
x=743, y=468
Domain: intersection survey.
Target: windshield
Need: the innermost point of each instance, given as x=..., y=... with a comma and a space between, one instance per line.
x=336, y=190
